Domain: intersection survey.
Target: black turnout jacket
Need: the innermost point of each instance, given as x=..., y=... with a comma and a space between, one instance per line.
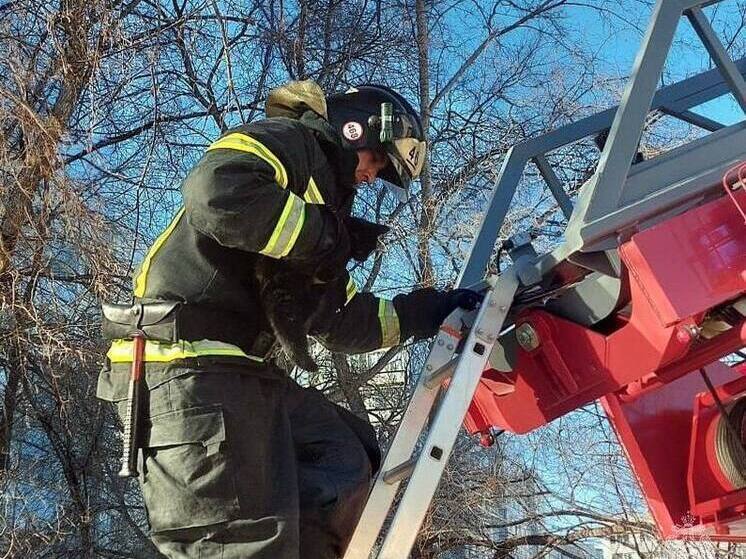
x=271, y=187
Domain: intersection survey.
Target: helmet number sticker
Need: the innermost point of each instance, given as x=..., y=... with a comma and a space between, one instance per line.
x=352, y=131
x=413, y=157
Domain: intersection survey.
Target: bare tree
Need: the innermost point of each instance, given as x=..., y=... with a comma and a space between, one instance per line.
x=104, y=106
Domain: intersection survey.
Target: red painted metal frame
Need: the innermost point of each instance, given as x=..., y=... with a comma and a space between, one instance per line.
x=711, y=494
x=639, y=362
x=677, y=271
x=656, y=430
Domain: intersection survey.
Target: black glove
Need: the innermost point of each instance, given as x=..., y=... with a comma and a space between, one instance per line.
x=364, y=236
x=423, y=311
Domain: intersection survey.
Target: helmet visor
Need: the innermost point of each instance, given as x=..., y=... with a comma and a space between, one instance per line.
x=406, y=159
x=396, y=178
x=411, y=154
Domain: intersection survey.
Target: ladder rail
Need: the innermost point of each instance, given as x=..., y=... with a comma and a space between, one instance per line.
x=426, y=469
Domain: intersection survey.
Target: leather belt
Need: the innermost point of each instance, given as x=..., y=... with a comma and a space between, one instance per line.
x=178, y=323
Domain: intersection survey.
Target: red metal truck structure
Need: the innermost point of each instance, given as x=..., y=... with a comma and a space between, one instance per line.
x=645, y=300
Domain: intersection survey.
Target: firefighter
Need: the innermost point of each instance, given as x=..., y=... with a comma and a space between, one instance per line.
x=236, y=459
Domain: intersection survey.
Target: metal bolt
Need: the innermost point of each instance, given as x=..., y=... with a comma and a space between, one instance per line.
x=449, y=347
x=503, y=308
x=527, y=337
x=486, y=439
x=429, y=367
x=687, y=332
x=480, y=332
x=440, y=342
x=492, y=303
x=683, y=335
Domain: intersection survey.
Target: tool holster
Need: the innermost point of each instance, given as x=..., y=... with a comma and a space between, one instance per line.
x=138, y=322
x=156, y=320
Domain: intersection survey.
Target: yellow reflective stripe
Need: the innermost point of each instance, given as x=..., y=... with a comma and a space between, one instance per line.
x=142, y=278
x=351, y=290
x=313, y=194
x=163, y=352
x=242, y=142
x=287, y=229
x=389, y=323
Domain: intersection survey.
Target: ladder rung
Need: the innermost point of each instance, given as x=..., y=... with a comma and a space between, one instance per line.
x=400, y=472
x=404, y=470
x=441, y=373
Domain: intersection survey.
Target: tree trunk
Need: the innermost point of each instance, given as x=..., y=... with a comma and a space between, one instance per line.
x=10, y=400
x=425, y=232
x=349, y=387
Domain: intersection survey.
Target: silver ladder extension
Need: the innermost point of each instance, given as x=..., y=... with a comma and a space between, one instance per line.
x=464, y=364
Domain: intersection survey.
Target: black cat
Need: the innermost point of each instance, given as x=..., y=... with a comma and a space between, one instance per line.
x=292, y=299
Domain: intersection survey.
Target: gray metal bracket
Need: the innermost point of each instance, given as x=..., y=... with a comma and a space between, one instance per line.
x=620, y=196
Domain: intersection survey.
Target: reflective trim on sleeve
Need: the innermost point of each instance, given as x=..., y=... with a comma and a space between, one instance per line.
x=389, y=323
x=351, y=289
x=313, y=194
x=162, y=352
x=287, y=229
x=242, y=142
x=142, y=277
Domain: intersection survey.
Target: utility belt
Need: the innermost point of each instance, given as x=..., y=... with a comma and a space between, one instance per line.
x=163, y=331
x=174, y=330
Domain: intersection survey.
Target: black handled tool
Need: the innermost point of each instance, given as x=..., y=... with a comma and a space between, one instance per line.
x=132, y=421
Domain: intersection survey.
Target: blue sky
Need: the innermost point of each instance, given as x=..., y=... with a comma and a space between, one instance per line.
x=618, y=40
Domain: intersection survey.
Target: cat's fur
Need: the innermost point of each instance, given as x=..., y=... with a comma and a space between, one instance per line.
x=286, y=295
x=292, y=300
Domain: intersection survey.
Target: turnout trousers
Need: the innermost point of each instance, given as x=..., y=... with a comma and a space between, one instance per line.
x=243, y=463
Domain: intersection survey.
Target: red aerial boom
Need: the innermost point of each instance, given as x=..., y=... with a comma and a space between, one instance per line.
x=686, y=283
x=643, y=305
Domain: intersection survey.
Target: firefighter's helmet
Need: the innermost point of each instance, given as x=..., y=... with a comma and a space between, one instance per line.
x=377, y=117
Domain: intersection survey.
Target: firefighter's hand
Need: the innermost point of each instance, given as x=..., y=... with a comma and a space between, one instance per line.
x=364, y=236
x=423, y=311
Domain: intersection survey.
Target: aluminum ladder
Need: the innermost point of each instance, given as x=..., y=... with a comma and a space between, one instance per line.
x=451, y=357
